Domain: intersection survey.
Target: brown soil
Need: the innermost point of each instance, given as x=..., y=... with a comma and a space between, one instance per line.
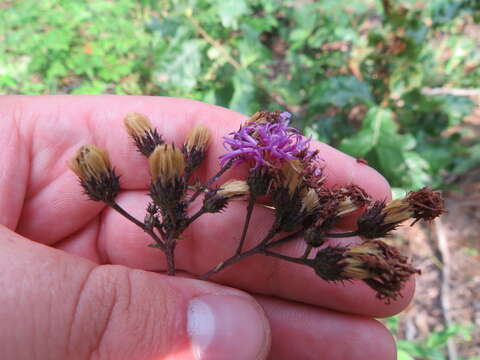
x=449, y=288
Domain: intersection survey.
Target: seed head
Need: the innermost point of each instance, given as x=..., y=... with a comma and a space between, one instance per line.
x=97, y=177
x=140, y=129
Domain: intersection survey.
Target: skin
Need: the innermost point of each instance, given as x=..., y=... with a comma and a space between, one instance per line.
x=79, y=282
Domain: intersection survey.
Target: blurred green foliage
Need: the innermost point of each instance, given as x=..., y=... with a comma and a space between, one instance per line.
x=352, y=72
x=432, y=348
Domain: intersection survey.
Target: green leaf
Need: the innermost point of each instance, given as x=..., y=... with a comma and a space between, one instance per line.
x=341, y=91
x=230, y=11
x=243, y=93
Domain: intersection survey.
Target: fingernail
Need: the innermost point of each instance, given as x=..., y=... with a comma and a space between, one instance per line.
x=227, y=327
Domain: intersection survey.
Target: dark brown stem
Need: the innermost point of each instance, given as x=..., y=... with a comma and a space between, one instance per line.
x=137, y=222
x=257, y=249
x=201, y=189
x=341, y=235
x=307, y=252
x=170, y=254
x=284, y=257
x=195, y=217
x=251, y=203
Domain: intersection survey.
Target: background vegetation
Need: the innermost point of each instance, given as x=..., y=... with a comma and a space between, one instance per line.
x=356, y=74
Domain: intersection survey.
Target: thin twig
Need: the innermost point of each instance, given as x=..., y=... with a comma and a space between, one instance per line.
x=195, y=216
x=201, y=189
x=251, y=203
x=216, y=44
x=284, y=257
x=137, y=222
x=341, y=235
x=256, y=250
x=307, y=252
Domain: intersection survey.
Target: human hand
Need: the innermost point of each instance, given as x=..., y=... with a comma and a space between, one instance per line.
x=56, y=305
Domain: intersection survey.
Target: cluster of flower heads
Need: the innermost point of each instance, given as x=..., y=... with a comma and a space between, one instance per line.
x=283, y=167
x=287, y=175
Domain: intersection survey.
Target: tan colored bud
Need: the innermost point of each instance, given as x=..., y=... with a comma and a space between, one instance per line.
x=198, y=139
x=234, y=190
x=137, y=125
x=167, y=164
x=96, y=175
x=90, y=162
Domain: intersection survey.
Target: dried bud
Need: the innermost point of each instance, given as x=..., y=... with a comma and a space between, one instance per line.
x=314, y=237
x=216, y=200
x=167, y=168
x=195, y=147
x=380, y=219
x=380, y=266
x=97, y=177
x=146, y=138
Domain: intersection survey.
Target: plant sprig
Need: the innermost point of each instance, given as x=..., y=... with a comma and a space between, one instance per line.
x=284, y=172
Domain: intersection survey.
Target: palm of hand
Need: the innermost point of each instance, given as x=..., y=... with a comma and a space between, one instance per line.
x=44, y=202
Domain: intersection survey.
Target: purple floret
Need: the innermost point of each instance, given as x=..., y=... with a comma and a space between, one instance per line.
x=267, y=144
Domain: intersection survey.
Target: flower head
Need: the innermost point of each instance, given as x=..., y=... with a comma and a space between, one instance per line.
x=379, y=265
x=167, y=168
x=266, y=140
x=140, y=129
x=97, y=177
x=381, y=218
x=216, y=200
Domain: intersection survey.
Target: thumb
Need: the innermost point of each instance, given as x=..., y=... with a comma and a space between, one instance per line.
x=58, y=306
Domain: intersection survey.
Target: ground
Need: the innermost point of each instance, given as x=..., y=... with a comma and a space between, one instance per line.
x=448, y=252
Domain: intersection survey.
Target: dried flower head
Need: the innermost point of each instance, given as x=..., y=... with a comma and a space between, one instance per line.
x=379, y=265
x=310, y=201
x=216, y=200
x=381, y=218
x=140, y=129
x=167, y=168
x=195, y=146
x=267, y=140
x=97, y=177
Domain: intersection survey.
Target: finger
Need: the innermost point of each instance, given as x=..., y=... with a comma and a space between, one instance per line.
x=214, y=237
x=57, y=126
x=57, y=306
x=304, y=332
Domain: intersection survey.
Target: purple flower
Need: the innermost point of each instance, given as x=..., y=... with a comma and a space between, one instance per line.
x=266, y=143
